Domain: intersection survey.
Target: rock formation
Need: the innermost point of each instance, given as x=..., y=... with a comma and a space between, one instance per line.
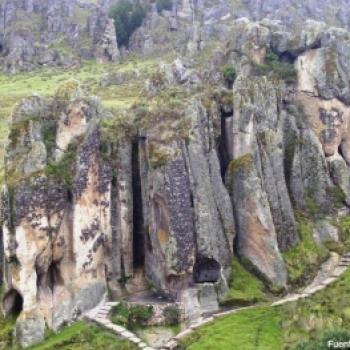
x=167, y=193
x=34, y=33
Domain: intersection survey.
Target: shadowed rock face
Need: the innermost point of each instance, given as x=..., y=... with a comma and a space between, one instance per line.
x=167, y=196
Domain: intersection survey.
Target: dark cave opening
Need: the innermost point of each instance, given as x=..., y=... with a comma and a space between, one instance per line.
x=138, y=222
x=287, y=57
x=13, y=303
x=206, y=270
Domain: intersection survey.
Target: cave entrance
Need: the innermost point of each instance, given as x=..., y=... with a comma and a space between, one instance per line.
x=206, y=270
x=13, y=303
x=138, y=227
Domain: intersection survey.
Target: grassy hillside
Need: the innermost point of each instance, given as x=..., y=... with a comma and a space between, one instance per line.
x=277, y=328
x=79, y=336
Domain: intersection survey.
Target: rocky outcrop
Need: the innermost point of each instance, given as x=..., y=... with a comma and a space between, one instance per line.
x=166, y=192
x=32, y=34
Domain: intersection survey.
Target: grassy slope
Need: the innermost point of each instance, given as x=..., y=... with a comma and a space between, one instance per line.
x=244, y=287
x=79, y=336
x=278, y=327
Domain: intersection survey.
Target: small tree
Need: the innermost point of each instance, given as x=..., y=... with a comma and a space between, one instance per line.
x=127, y=17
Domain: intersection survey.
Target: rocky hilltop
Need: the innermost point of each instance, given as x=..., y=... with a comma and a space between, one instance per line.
x=36, y=33
x=230, y=151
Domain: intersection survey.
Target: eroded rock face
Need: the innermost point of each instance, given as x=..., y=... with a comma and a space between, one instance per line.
x=31, y=33
x=170, y=193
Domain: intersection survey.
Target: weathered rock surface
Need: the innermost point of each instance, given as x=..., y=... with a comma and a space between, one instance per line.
x=172, y=190
x=33, y=32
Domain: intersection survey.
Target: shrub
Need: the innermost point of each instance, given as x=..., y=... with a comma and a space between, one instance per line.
x=132, y=316
x=303, y=260
x=164, y=5
x=127, y=18
x=229, y=74
x=273, y=65
x=63, y=170
x=172, y=315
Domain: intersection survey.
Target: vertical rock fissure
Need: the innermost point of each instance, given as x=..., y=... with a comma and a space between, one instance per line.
x=138, y=222
x=114, y=221
x=223, y=142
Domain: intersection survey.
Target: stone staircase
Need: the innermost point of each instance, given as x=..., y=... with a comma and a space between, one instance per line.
x=100, y=315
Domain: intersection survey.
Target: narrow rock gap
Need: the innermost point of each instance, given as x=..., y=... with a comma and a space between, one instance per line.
x=223, y=144
x=138, y=220
x=114, y=219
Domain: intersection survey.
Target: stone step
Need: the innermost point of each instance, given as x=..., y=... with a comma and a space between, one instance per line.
x=135, y=340
x=142, y=345
x=105, y=308
x=329, y=280
x=112, y=303
x=127, y=334
x=118, y=329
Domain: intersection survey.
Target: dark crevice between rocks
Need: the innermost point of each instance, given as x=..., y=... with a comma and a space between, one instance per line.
x=114, y=221
x=69, y=196
x=49, y=279
x=138, y=220
x=223, y=143
x=55, y=277
x=206, y=270
x=12, y=303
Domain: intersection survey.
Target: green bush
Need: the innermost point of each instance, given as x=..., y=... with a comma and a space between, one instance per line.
x=303, y=260
x=131, y=316
x=127, y=16
x=229, y=74
x=172, y=315
x=164, y=5
x=273, y=65
x=63, y=170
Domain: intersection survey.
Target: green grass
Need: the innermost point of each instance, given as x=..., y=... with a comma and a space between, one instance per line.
x=245, y=288
x=81, y=336
x=303, y=260
x=257, y=328
x=277, y=328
